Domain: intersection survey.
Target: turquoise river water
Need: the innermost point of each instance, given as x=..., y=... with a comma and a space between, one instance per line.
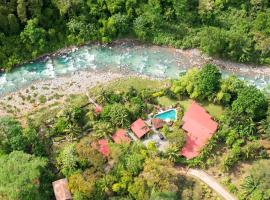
x=148, y=60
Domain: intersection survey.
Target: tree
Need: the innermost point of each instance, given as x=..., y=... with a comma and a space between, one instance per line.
x=33, y=35
x=83, y=183
x=3, y=23
x=158, y=174
x=229, y=89
x=21, y=10
x=81, y=30
x=35, y=7
x=102, y=129
x=208, y=81
x=14, y=26
x=176, y=136
x=172, y=152
x=239, y=45
x=117, y=114
x=20, y=176
x=71, y=122
x=89, y=156
x=264, y=127
x=251, y=102
x=75, y=115
x=256, y=184
x=213, y=41
x=115, y=25
x=67, y=160
x=185, y=84
x=66, y=5
x=197, y=83
x=163, y=195
x=60, y=126
x=11, y=135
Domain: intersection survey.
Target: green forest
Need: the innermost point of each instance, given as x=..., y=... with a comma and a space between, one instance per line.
x=234, y=29
x=60, y=141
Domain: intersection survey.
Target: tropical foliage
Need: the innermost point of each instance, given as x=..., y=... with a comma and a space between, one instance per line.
x=236, y=30
x=21, y=177
x=68, y=142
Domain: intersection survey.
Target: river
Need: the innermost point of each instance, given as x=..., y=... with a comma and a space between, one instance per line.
x=155, y=61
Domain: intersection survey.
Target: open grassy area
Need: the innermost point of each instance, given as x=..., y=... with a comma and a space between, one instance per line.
x=138, y=83
x=166, y=101
x=214, y=109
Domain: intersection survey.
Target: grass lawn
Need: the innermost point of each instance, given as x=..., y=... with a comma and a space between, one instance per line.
x=122, y=85
x=166, y=101
x=213, y=109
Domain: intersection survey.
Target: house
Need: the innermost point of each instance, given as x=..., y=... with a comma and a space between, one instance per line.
x=200, y=127
x=102, y=146
x=98, y=108
x=120, y=136
x=61, y=191
x=140, y=128
x=157, y=123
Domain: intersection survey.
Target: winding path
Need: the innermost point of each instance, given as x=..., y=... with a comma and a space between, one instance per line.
x=208, y=180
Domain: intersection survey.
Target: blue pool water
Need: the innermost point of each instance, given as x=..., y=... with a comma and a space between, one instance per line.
x=169, y=115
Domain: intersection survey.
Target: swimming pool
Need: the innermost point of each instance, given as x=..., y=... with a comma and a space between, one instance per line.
x=168, y=115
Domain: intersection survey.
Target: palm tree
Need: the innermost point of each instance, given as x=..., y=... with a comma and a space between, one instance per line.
x=249, y=185
x=102, y=129
x=263, y=127
x=172, y=153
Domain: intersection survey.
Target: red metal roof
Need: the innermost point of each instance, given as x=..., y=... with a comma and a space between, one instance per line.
x=120, y=136
x=102, y=146
x=157, y=123
x=200, y=127
x=140, y=128
x=61, y=191
x=98, y=109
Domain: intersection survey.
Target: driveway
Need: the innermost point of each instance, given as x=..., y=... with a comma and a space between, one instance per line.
x=208, y=180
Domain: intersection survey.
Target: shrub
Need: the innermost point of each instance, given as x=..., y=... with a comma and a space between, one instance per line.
x=199, y=84
x=117, y=114
x=208, y=81
x=11, y=137
x=42, y=99
x=229, y=89
x=251, y=102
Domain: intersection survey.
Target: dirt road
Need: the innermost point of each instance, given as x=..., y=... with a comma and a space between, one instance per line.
x=208, y=180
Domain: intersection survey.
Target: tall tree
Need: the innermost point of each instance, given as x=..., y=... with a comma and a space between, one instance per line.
x=252, y=102
x=257, y=184
x=21, y=10
x=14, y=26
x=11, y=137
x=20, y=176
x=158, y=174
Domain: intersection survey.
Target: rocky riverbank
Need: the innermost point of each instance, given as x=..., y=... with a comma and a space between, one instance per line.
x=88, y=66
x=44, y=93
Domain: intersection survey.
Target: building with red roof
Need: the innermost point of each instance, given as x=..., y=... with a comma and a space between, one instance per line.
x=120, y=136
x=200, y=127
x=98, y=109
x=157, y=123
x=140, y=128
x=102, y=146
x=60, y=188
